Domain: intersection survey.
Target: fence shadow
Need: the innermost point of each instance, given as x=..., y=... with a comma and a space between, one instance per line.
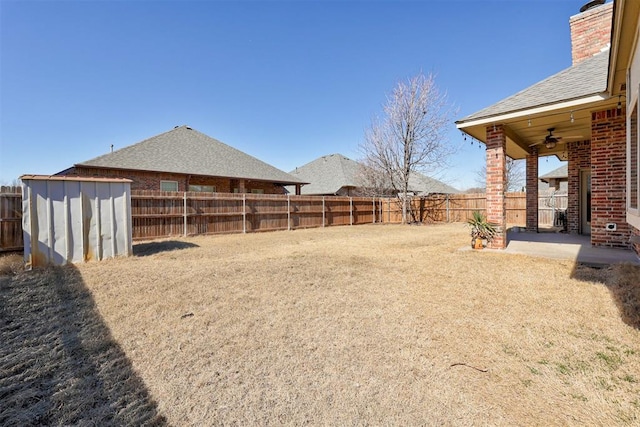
x=152, y=248
x=623, y=282
x=59, y=362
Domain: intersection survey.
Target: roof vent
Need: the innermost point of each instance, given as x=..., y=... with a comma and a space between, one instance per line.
x=591, y=5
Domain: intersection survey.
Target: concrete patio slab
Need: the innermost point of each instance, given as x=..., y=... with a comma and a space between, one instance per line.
x=566, y=246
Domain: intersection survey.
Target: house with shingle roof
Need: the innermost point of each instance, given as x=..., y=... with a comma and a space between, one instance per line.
x=586, y=115
x=184, y=159
x=555, y=181
x=337, y=175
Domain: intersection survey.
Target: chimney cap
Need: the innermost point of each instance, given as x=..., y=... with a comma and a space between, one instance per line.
x=591, y=5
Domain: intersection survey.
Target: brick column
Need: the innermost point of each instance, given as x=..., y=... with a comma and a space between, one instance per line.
x=608, y=179
x=532, y=190
x=496, y=179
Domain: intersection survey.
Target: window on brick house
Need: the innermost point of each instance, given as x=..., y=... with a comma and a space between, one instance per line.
x=633, y=157
x=168, y=185
x=203, y=188
x=257, y=191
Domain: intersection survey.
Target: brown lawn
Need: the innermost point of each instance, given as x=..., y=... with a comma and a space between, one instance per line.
x=338, y=326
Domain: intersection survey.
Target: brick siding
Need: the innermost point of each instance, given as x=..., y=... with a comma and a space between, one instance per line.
x=579, y=159
x=590, y=32
x=496, y=179
x=143, y=180
x=608, y=178
x=532, y=190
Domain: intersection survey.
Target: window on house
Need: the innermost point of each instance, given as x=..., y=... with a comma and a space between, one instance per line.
x=257, y=191
x=203, y=188
x=633, y=157
x=168, y=185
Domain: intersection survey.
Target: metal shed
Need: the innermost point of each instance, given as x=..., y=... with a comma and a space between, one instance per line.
x=72, y=219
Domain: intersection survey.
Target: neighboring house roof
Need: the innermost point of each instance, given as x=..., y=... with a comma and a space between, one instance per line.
x=560, y=173
x=423, y=184
x=186, y=151
x=586, y=78
x=328, y=174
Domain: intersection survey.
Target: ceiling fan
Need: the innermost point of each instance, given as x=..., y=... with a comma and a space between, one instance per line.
x=550, y=141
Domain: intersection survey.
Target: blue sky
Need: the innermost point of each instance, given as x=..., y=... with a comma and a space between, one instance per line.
x=284, y=81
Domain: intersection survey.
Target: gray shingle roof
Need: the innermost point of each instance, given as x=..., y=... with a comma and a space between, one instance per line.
x=426, y=185
x=588, y=77
x=561, y=172
x=187, y=151
x=328, y=174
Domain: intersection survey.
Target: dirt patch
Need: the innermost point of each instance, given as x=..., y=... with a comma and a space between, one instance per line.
x=368, y=325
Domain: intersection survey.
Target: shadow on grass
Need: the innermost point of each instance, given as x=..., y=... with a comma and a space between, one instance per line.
x=59, y=364
x=152, y=248
x=623, y=282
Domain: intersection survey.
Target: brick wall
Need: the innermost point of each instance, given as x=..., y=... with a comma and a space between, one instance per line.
x=590, y=32
x=532, y=190
x=496, y=179
x=143, y=180
x=579, y=159
x=608, y=178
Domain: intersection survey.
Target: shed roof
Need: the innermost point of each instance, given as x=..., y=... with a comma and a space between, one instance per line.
x=185, y=150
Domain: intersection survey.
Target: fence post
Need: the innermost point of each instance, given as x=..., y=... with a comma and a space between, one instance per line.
x=350, y=210
x=244, y=214
x=373, y=208
x=448, y=218
x=184, y=213
x=389, y=210
x=323, y=212
x=288, y=212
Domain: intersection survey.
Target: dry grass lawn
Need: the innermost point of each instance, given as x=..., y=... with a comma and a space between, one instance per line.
x=363, y=325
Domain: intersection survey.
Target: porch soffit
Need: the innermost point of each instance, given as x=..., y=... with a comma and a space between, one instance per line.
x=563, y=102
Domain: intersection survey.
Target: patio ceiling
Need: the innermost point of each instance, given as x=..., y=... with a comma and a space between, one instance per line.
x=530, y=127
x=563, y=101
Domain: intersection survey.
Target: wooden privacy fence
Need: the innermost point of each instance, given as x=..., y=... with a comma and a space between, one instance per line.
x=160, y=214
x=460, y=207
x=11, y=219
x=163, y=214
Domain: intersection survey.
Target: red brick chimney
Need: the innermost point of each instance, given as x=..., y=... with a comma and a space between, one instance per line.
x=590, y=30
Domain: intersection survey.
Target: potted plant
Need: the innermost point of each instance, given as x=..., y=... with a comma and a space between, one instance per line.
x=481, y=230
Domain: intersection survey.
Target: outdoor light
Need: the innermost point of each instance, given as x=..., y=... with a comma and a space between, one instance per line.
x=572, y=119
x=619, y=107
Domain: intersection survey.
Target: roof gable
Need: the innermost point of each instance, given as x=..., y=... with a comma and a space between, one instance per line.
x=186, y=151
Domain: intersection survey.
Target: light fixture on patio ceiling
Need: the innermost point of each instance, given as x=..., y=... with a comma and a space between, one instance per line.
x=550, y=141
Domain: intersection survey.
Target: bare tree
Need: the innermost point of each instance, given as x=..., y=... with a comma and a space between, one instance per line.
x=515, y=175
x=409, y=138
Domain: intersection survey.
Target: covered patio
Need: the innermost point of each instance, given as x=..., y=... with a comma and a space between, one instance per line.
x=577, y=116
